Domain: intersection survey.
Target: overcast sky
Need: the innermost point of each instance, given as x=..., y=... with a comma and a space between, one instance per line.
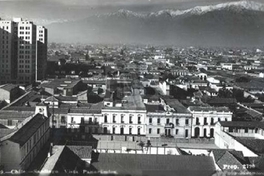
x=46, y=11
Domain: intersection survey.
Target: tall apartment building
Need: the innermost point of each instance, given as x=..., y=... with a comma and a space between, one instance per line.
x=23, y=54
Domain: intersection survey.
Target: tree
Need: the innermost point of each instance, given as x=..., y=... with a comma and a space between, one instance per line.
x=141, y=144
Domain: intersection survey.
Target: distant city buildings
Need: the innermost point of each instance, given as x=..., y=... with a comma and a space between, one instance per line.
x=23, y=51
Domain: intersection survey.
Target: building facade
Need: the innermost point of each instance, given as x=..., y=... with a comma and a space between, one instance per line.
x=204, y=119
x=20, y=148
x=22, y=49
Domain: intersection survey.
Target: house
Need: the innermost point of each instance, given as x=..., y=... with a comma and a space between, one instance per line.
x=19, y=148
x=85, y=119
x=169, y=118
x=65, y=87
x=127, y=117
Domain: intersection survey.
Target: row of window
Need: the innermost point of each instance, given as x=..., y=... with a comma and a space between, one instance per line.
x=122, y=119
x=22, y=28
x=168, y=121
x=122, y=130
x=197, y=122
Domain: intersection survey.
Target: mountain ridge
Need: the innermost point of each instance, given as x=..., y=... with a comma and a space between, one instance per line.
x=227, y=24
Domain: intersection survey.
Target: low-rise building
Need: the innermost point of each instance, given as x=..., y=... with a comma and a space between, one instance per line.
x=205, y=117
x=169, y=119
x=19, y=148
x=127, y=117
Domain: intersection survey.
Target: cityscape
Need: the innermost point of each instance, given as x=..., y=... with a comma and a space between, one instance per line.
x=136, y=89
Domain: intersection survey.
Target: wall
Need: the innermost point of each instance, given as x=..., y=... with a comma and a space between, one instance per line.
x=11, y=155
x=225, y=141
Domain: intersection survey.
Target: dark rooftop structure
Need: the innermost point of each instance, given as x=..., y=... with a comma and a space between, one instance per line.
x=154, y=108
x=8, y=87
x=23, y=134
x=178, y=107
x=242, y=124
x=154, y=165
x=256, y=145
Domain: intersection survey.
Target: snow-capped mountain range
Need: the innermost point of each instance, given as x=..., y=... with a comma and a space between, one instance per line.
x=198, y=10
x=239, y=23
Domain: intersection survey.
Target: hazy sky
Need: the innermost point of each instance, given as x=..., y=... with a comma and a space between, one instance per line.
x=47, y=11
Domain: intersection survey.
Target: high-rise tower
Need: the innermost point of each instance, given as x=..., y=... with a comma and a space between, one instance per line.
x=23, y=53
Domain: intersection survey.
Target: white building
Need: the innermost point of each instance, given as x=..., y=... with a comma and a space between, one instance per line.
x=127, y=117
x=168, y=119
x=204, y=119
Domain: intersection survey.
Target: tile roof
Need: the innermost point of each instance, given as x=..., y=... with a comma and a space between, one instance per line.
x=209, y=108
x=84, y=152
x=256, y=145
x=154, y=108
x=142, y=164
x=174, y=103
x=24, y=133
x=15, y=115
x=217, y=100
x=62, y=160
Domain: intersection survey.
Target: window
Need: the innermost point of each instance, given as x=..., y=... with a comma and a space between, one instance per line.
x=212, y=121
x=177, y=122
x=167, y=121
x=158, y=131
x=114, y=121
x=122, y=119
x=150, y=130
x=158, y=120
x=177, y=131
x=197, y=121
x=105, y=118
x=186, y=121
x=150, y=120
x=139, y=122
x=205, y=121
x=130, y=119
x=130, y=130
x=246, y=130
x=9, y=122
x=113, y=130
x=138, y=131
x=63, y=121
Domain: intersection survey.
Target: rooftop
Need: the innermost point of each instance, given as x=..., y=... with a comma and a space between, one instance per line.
x=242, y=124
x=174, y=103
x=66, y=83
x=8, y=87
x=154, y=108
x=23, y=134
x=15, y=115
x=133, y=164
x=209, y=109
